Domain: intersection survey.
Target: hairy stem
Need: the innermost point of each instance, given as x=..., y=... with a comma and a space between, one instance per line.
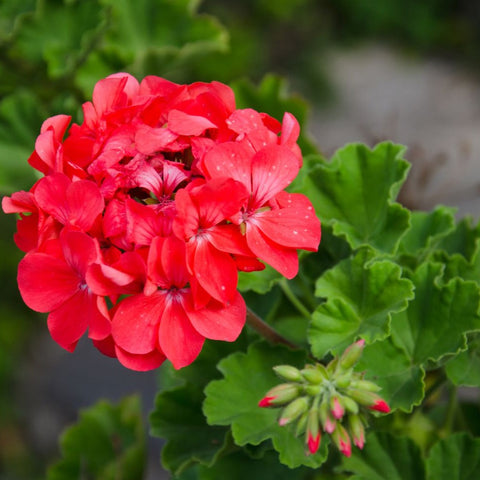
x=266, y=331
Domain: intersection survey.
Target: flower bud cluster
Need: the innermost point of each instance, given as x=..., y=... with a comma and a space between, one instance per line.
x=333, y=399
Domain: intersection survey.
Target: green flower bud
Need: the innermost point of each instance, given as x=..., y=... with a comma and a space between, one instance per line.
x=365, y=385
x=288, y=373
x=313, y=434
x=313, y=390
x=293, y=410
x=315, y=374
x=350, y=405
x=351, y=355
x=343, y=381
x=301, y=424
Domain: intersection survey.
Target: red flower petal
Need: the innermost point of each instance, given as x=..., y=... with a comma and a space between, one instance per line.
x=220, y=323
x=45, y=282
x=273, y=169
x=69, y=321
x=184, y=124
x=291, y=227
x=178, y=339
x=140, y=363
x=135, y=323
x=215, y=271
x=282, y=259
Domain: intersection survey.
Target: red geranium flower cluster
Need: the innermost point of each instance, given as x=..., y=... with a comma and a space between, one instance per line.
x=147, y=211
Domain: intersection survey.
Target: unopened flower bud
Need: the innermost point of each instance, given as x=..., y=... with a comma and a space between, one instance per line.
x=342, y=440
x=301, y=424
x=279, y=395
x=343, y=381
x=350, y=405
x=357, y=430
x=288, y=372
x=365, y=385
x=336, y=407
x=293, y=410
x=370, y=400
x=313, y=390
x=351, y=355
x=315, y=375
x=313, y=434
x=326, y=419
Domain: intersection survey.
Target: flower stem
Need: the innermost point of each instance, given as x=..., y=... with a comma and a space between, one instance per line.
x=294, y=299
x=266, y=331
x=451, y=410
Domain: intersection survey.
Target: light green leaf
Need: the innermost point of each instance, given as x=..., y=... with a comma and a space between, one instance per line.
x=464, y=369
x=106, y=444
x=386, y=457
x=389, y=367
x=362, y=293
x=178, y=418
x=355, y=194
x=437, y=320
x=234, y=401
x=456, y=457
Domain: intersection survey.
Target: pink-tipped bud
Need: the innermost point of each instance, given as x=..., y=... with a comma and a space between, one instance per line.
x=351, y=355
x=266, y=402
x=313, y=436
x=342, y=440
x=336, y=408
x=380, y=406
x=279, y=395
x=313, y=442
x=357, y=430
x=326, y=419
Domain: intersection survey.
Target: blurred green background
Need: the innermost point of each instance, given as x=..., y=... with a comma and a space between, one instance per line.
x=52, y=52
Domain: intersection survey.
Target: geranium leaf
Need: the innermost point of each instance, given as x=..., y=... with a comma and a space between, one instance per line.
x=234, y=401
x=386, y=456
x=456, y=457
x=66, y=46
x=239, y=466
x=437, y=320
x=355, y=194
x=20, y=121
x=389, y=367
x=107, y=443
x=426, y=231
x=259, y=282
x=178, y=417
x=362, y=293
x=463, y=240
x=464, y=369
x=142, y=37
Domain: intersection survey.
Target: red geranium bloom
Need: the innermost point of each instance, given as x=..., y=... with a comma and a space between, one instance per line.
x=154, y=203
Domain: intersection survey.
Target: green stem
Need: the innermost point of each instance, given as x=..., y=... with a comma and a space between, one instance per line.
x=451, y=410
x=294, y=299
x=266, y=331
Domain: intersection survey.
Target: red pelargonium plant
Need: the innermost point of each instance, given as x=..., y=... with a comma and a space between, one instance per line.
x=147, y=211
